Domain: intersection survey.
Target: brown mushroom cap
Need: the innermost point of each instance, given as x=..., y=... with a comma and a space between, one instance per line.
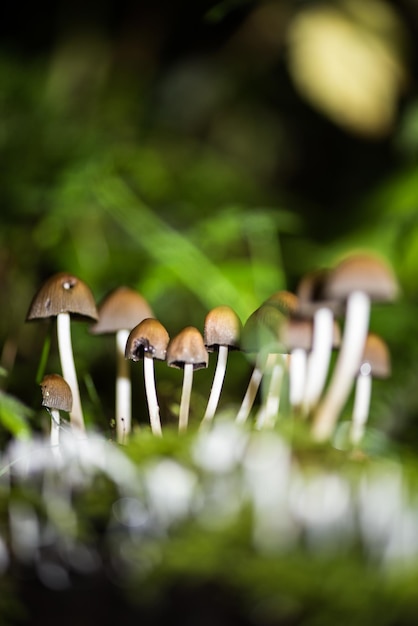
x=376, y=355
x=187, y=348
x=149, y=338
x=121, y=309
x=361, y=272
x=311, y=294
x=63, y=293
x=56, y=393
x=286, y=301
x=222, y=328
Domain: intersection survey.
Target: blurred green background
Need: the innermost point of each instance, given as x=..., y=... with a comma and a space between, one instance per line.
x=204, y=153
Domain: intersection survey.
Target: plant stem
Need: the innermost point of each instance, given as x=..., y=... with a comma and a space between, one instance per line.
x=68, y=369
x=185, y=396
x=153, y=408
x=347, y=365
x=218, y=380
x=361, y=406
x=252, y=389
x=123, y=390
x=319, y=358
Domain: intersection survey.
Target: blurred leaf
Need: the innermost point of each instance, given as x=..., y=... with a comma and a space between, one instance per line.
x=14, y=416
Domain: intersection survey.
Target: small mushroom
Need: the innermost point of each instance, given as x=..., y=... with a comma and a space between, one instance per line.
x=148, y=341
x=222, y=332
x=375, y=363
x=119, y=311
x=187, y=351
x=61, y=296
x=56, y=397
x=261, y=336
x=357, y=280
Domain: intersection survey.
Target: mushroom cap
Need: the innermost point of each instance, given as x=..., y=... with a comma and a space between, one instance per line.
x=56, y=393
x=376, y=355
x=312, y=297
x=121, y=309
x=222, y=328
x=362, y=272
x=63, y=293
x=296, y=333
x=286, y=301
x=262, y=330
x=149, y=339
x=187, y=348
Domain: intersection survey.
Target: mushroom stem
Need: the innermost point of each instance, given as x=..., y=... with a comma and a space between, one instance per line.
x=361, y=406
x=270, y=408
x=55, y=427
x=218, y=380
x=252, y=389
x=297, y=377
x=153, y=408
x=68, y=369
x=123, y=389
x=185, y=396
x=319, y=358
x=347, y=365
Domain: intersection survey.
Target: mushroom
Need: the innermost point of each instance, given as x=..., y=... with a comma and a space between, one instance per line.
x=375, y=363
x=261, y=336
x=56, y=397
x=357, y=280
x=148, y=341
x=187, y=351
x=119, y=311
x=222, y=332
x=61, y=296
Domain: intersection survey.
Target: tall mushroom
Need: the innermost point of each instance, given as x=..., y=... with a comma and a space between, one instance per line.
x=357, y=280
x=119, y=311
x=375, y=363
x=56, y=397
x=187, y=351
x=61, y=296
x=222, y=332
x=148, y=341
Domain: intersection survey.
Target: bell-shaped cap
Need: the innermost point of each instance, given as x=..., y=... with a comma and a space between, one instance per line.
x=56, y=393
x=121, y=309
x=312, y=296
x=149, y=338
x=376, y=357
x=187, y=347
x=285, y=301
x=63, y=293
x=222, y=328
x=362, y=272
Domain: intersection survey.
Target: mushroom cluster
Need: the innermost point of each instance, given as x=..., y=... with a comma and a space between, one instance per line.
x=288, y=341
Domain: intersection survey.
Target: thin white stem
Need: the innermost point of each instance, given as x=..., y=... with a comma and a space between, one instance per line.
x=185, y=396
x=218, y=380
x=252, y=389
x=150, y=390
x=361, y=406
x=346, y=367
x=55, y=427
x=123, y=389
x=68, y=368
x=297, y=377
x=267, y=414
x=319, y=358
